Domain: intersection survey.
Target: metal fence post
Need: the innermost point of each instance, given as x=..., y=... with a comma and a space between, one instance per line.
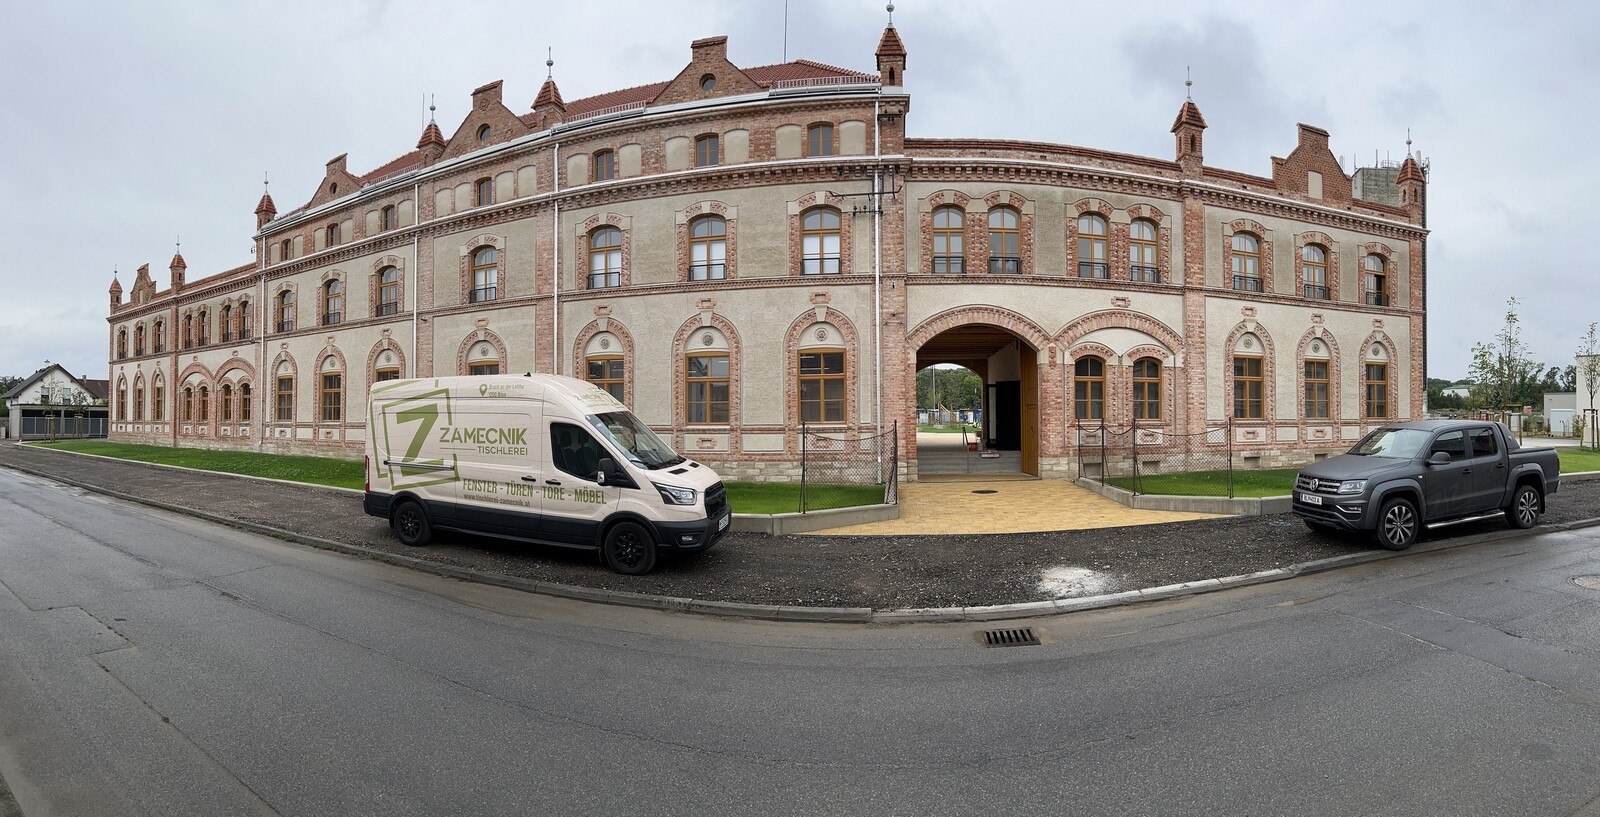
x=1229, y=428
x=1102, y=453
x=802, y=467
x=1133, y=451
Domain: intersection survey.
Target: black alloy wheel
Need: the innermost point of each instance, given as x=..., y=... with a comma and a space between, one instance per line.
x=629, y=549
x=1398, y=524
x=410, y=524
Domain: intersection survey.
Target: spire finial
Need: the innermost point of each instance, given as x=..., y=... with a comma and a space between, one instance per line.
x=890, y=9
x=265, y=183
x=1188, y=85
x=431, y=108
x=180, y=245
x=549, y=63
x=1408, y=143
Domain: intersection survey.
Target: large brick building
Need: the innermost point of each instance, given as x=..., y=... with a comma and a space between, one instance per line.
x=739, y=250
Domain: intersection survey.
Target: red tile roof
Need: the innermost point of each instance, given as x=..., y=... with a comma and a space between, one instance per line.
x=549, y=94
x=890, y=45
x=1189, y=114
x=1410, y=171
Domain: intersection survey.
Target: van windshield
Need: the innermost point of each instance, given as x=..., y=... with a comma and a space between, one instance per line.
x=638, y=443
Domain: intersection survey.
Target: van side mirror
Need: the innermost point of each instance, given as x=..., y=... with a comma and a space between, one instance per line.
x=608, y=466
x=1439, y=458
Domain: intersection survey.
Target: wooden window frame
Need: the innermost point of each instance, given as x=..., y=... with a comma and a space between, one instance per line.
x=122, y=402
x=332, y=295
x=1084, y=394
x=1242, y=387
x=1141, y=249
x=485, y=276
x=708, y=156
x=474, y=368
x=605, y=382
x=1317, y=268
x=1007, y=264
x=158, y=337
x=379, y=374
x=202, y=326
x=333, y=235
x=225, y=323
x=1381, y=274
x=225, y=403
x=202, y=404
x=138, y=340
x=122, y=343
x=158, y=402
x=138, y=403
x=1241, y=264
x=605, y=159
x=1318, y=390
x=483, y=192
x=285, y=303
x=822, y=258
x=285, y=249
x=1094, y=248
x=389, y=218
x=822, y=378
x=707, y=242
x=244, y=402
x=604, y=253
x=949, y=263
x=325, y=406
x=689, y=382
x=1375, y=393
x=1147, y=391
x=385, y=289
x=825, y=144
x=283, y=399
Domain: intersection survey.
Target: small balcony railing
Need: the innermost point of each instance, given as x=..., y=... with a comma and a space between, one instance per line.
x=1001, y=265
x=332, y=318
x=1377, y=299
x=482, y=294
x=1094, y=269
x=227, y=337
x=1247, y=283
x=158, y=349
x=1315, y=292
x=286, y=326
x=949, y=265
x=708, y=272
x=188, y=343
x=388, y=308
x=1144, y=275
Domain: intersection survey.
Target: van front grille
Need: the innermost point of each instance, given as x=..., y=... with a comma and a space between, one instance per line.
x=716, y=500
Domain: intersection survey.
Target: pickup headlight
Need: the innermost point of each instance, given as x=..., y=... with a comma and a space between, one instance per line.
x=673, y=495
x=1352, y=486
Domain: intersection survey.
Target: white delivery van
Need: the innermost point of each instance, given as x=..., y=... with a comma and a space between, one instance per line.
x=540, y=458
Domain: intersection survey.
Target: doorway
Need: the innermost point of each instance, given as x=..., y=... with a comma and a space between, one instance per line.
x=1005, y=439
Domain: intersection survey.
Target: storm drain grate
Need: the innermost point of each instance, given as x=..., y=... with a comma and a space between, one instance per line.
x=986, y=491
x=1019, y=637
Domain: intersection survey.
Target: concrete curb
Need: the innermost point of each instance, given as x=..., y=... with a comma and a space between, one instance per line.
x=197, y=470
x=1237, y=506
x=776, y=612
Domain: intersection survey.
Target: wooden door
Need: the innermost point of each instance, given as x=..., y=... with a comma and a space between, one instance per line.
x=1030, y=408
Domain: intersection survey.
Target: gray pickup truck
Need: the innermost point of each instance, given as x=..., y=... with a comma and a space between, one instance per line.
x=1405, y=477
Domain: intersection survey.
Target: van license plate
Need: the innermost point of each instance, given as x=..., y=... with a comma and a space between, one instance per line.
x=1310, y=499
x=722, y=524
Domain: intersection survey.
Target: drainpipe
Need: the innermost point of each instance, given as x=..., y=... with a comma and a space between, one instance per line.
x=877, y=280
x=416, y=218
x=555, y=262
x=262, y=377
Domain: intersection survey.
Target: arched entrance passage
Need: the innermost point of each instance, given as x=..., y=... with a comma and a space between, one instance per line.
x=1003, y=349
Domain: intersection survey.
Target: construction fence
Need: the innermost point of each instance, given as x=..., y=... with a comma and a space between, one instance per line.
x=1157, y=461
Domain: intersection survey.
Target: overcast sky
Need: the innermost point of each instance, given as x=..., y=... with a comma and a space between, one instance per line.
x=125, y=125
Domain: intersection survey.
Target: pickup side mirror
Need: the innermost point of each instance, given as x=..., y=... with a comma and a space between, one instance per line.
x=1439, y=458
x=608, y=466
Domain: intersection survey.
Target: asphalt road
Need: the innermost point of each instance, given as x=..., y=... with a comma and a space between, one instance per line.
x=153, y=664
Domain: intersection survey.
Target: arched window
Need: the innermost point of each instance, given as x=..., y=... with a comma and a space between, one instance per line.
x=188, y=331
x=333, y=234
x=608, y=372
x=483, y=133
x=605, y=258
x=391, y=217
x=286, y=311
x=284, y=398
x=388, y=291
x=188, y=404
x=1314, y=272
x=202, y=328
x=1147, y=389
x=1246, y=262
x=1089, y=388
x=1375, y=383
x=138, y=400
x=244, y=402
x=225, y=403
x=949, y=254
x=605, y=165
x=1248, y=387
x=822, y=385
x=333, y=302
x=708, y=249
x=1005, y=242
x=1375, y=280
x=332, y=396
x=483, y=192
x=138, y=339
x=286, y=249
x=707, y=150
x=244, y=320
x=122, y=343
x=707, y=380
x=225, y=324
x=485, y=275
x=1093, y=260
x=158, y=400
x=122, y=401
x=1317, y=388
x=1142, y=263
x=158, y=337
x=202, y=405
x=819, y=140
x=819, y=241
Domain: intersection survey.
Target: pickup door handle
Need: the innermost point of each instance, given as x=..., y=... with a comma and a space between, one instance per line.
x=1500, y=466
x=1466, y=470
x=552, y=482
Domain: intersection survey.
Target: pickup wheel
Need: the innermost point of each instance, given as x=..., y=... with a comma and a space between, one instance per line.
x=410, y=524
x=1397, y=524
x=1526, y=505
x=629, y=549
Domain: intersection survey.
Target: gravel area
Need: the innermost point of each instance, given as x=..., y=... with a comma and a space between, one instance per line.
x=881, y=572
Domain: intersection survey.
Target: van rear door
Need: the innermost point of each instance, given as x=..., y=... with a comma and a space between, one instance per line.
x=502, y=464
x=575, y=504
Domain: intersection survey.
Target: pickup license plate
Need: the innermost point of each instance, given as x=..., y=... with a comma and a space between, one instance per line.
x=1311, y=499
x=722, y=524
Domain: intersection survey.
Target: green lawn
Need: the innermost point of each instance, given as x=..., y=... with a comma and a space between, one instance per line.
x=1573, y=460
x=1273, y=482
x=744, y=497
x=928, y=428
x=296, y=468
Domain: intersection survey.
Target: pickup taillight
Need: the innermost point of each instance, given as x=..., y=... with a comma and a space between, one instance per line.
x=366, y=473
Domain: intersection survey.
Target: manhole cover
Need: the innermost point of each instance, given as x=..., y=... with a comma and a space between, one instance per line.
x=1591, y=582
x=986, y=491
x=1019, y=637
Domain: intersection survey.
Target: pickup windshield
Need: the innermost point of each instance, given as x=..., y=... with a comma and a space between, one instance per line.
x=1400, y=443
x=638, y=443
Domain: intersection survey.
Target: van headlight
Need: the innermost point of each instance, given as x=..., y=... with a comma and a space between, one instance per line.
x=673, y=495
x=1352, y=486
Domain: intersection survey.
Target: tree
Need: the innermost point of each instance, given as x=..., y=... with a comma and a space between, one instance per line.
x=1506, y=376
x=7, y=383
x=1589, y=365
x=959, y=388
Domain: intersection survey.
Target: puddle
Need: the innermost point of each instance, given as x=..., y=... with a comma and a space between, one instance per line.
x=1070, y=582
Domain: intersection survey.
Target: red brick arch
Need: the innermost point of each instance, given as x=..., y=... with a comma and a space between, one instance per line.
x=985, y=315
x=680, y=352
x=1119, y=319
x=1335, y=378
x=791, y=351
x=1269, y=372
x=581, y=343
x=474, y=337
x=383, y=345
x=1326, y=242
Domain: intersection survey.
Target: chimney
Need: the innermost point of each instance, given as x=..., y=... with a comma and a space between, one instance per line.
x=709, y=49
x=486, y=96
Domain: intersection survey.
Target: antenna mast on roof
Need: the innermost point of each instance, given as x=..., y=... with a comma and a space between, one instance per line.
x=549, y=63
x=785, y=30
x=1188, y=85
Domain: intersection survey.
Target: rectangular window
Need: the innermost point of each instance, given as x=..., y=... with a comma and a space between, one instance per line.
x=138, y=405
x=332, y=398
x=605, y=166
x=388, y=374
x=1377, y=391
x=285, y=402
x=822, y=387
x=484, y=368
x=1247, y=388
x=708, y=388
x=606, y=372
x=158, y=404
x=706, y=151
x=244, y=403
x=391, y=219
x=225, y=405
x=1146, y=390
x=1485, y=443
x=1316, y=372
x=819, y=140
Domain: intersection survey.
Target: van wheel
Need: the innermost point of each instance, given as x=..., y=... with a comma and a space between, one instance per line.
x=629, y=549
x=410, y=524
x=1525, y=508
x=1397, y=524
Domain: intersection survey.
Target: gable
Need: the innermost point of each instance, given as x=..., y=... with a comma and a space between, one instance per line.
x=1312, y=155
x=708, y=59
x=487, y=109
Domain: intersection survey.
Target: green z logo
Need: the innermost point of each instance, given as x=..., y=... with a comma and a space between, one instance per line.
x=428, y=415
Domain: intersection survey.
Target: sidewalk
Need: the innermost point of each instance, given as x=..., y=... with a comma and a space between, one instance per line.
x=879, y=572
